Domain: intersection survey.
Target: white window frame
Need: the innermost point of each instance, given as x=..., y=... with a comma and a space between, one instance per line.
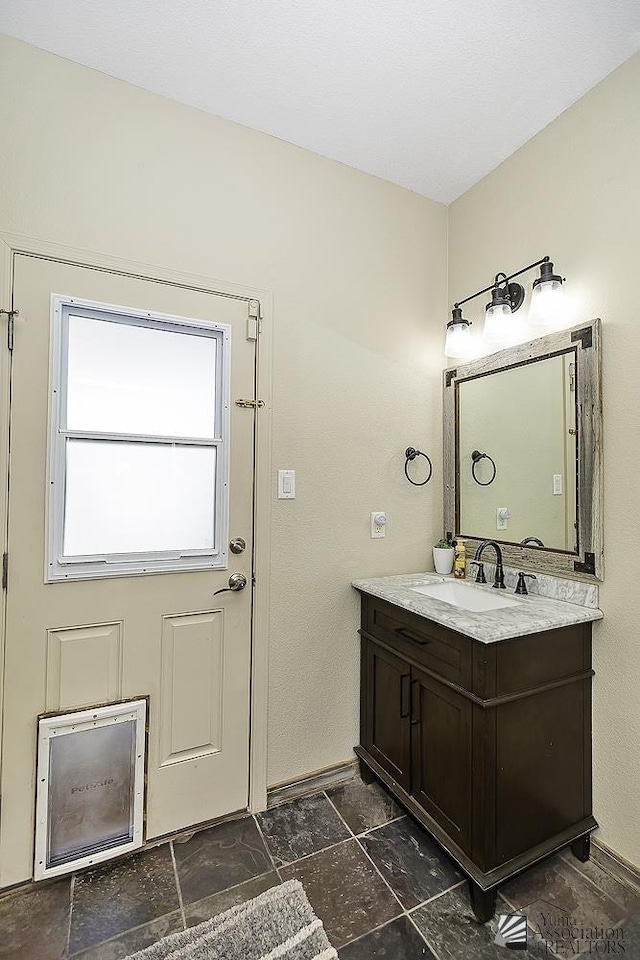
x=57, y=566
x=59, y=726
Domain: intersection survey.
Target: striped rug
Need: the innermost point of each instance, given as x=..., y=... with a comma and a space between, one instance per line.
x=277, y=925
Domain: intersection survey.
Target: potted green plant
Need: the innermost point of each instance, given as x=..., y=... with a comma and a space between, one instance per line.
x=443, y=556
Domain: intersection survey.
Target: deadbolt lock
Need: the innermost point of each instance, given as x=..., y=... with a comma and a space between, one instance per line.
x=238, y=545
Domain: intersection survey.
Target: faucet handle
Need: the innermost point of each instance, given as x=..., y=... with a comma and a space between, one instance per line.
x=480, y=577
x=521, y=586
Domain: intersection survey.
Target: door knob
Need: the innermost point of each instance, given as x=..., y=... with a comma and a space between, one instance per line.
x=238, y=545
x=237, y=581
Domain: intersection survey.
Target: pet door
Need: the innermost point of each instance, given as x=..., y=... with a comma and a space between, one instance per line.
x=90, y=786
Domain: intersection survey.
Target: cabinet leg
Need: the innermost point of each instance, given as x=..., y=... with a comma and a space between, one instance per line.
x=483, y=902
x=365, y=773
x=581, y=847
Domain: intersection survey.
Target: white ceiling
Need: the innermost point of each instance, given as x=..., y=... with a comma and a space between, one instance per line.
x=429, y=94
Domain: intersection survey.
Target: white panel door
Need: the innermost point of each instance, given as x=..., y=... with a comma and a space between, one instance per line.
x=72, y=642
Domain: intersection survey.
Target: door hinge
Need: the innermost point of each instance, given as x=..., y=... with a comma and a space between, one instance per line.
x=254, y=320
x=5, y=570
x=254, y=404
x=9, y=314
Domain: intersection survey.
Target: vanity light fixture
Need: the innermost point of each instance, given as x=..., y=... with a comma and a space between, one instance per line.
x=501, y=329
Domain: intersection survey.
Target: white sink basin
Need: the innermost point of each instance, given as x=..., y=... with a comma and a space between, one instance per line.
x=467, y=597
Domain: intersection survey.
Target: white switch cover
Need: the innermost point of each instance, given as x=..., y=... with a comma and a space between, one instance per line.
x=378, y=524
x=557, y=484
x=286, y=484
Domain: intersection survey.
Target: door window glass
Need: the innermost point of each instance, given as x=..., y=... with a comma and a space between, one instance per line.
x=139, y=436
x=127, y=378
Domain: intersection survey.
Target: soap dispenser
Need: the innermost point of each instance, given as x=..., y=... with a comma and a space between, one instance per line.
x=460, y=561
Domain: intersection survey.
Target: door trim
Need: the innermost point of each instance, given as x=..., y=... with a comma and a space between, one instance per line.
x=12, y=245
x=5, y=376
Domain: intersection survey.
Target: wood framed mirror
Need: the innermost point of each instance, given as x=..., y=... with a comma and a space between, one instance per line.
x=523, y=453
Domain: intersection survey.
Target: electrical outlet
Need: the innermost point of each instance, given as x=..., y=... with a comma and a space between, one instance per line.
x=503, y=515
x=378, y=524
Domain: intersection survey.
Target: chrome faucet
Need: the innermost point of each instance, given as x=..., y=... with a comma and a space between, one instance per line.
x=499, y=577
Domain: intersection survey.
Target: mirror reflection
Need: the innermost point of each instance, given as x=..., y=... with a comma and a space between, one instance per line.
x=517, y=452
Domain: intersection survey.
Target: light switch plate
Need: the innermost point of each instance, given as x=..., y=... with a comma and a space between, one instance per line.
x=557, y=484
x=286, y=484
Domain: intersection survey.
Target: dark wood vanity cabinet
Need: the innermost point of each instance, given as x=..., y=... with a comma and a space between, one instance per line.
x=487, y=745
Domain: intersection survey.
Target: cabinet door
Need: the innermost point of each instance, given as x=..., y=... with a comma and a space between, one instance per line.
x=386, y=693
x=441, y=755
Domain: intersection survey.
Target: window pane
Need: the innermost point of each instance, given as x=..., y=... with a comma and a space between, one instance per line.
x=141, y=380
x=125, y=497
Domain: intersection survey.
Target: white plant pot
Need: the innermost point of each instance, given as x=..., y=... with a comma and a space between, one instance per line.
x=443, y=559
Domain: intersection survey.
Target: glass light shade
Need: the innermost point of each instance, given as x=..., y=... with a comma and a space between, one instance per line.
x=458, y=344
x=498, y=330
x=548, y=307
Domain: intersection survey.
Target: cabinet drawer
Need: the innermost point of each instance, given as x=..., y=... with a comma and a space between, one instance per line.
x=444, y=652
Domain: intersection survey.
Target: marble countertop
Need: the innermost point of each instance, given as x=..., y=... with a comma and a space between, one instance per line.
x=533, y=614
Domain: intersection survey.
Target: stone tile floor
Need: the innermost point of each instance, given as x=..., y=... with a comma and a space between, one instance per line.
x=382, y=888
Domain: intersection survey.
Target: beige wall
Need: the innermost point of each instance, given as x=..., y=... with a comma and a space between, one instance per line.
x=358, y=272
x=574, y=192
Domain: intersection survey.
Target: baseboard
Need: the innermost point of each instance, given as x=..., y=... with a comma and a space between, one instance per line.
x=617, y=866
x=311, y=783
